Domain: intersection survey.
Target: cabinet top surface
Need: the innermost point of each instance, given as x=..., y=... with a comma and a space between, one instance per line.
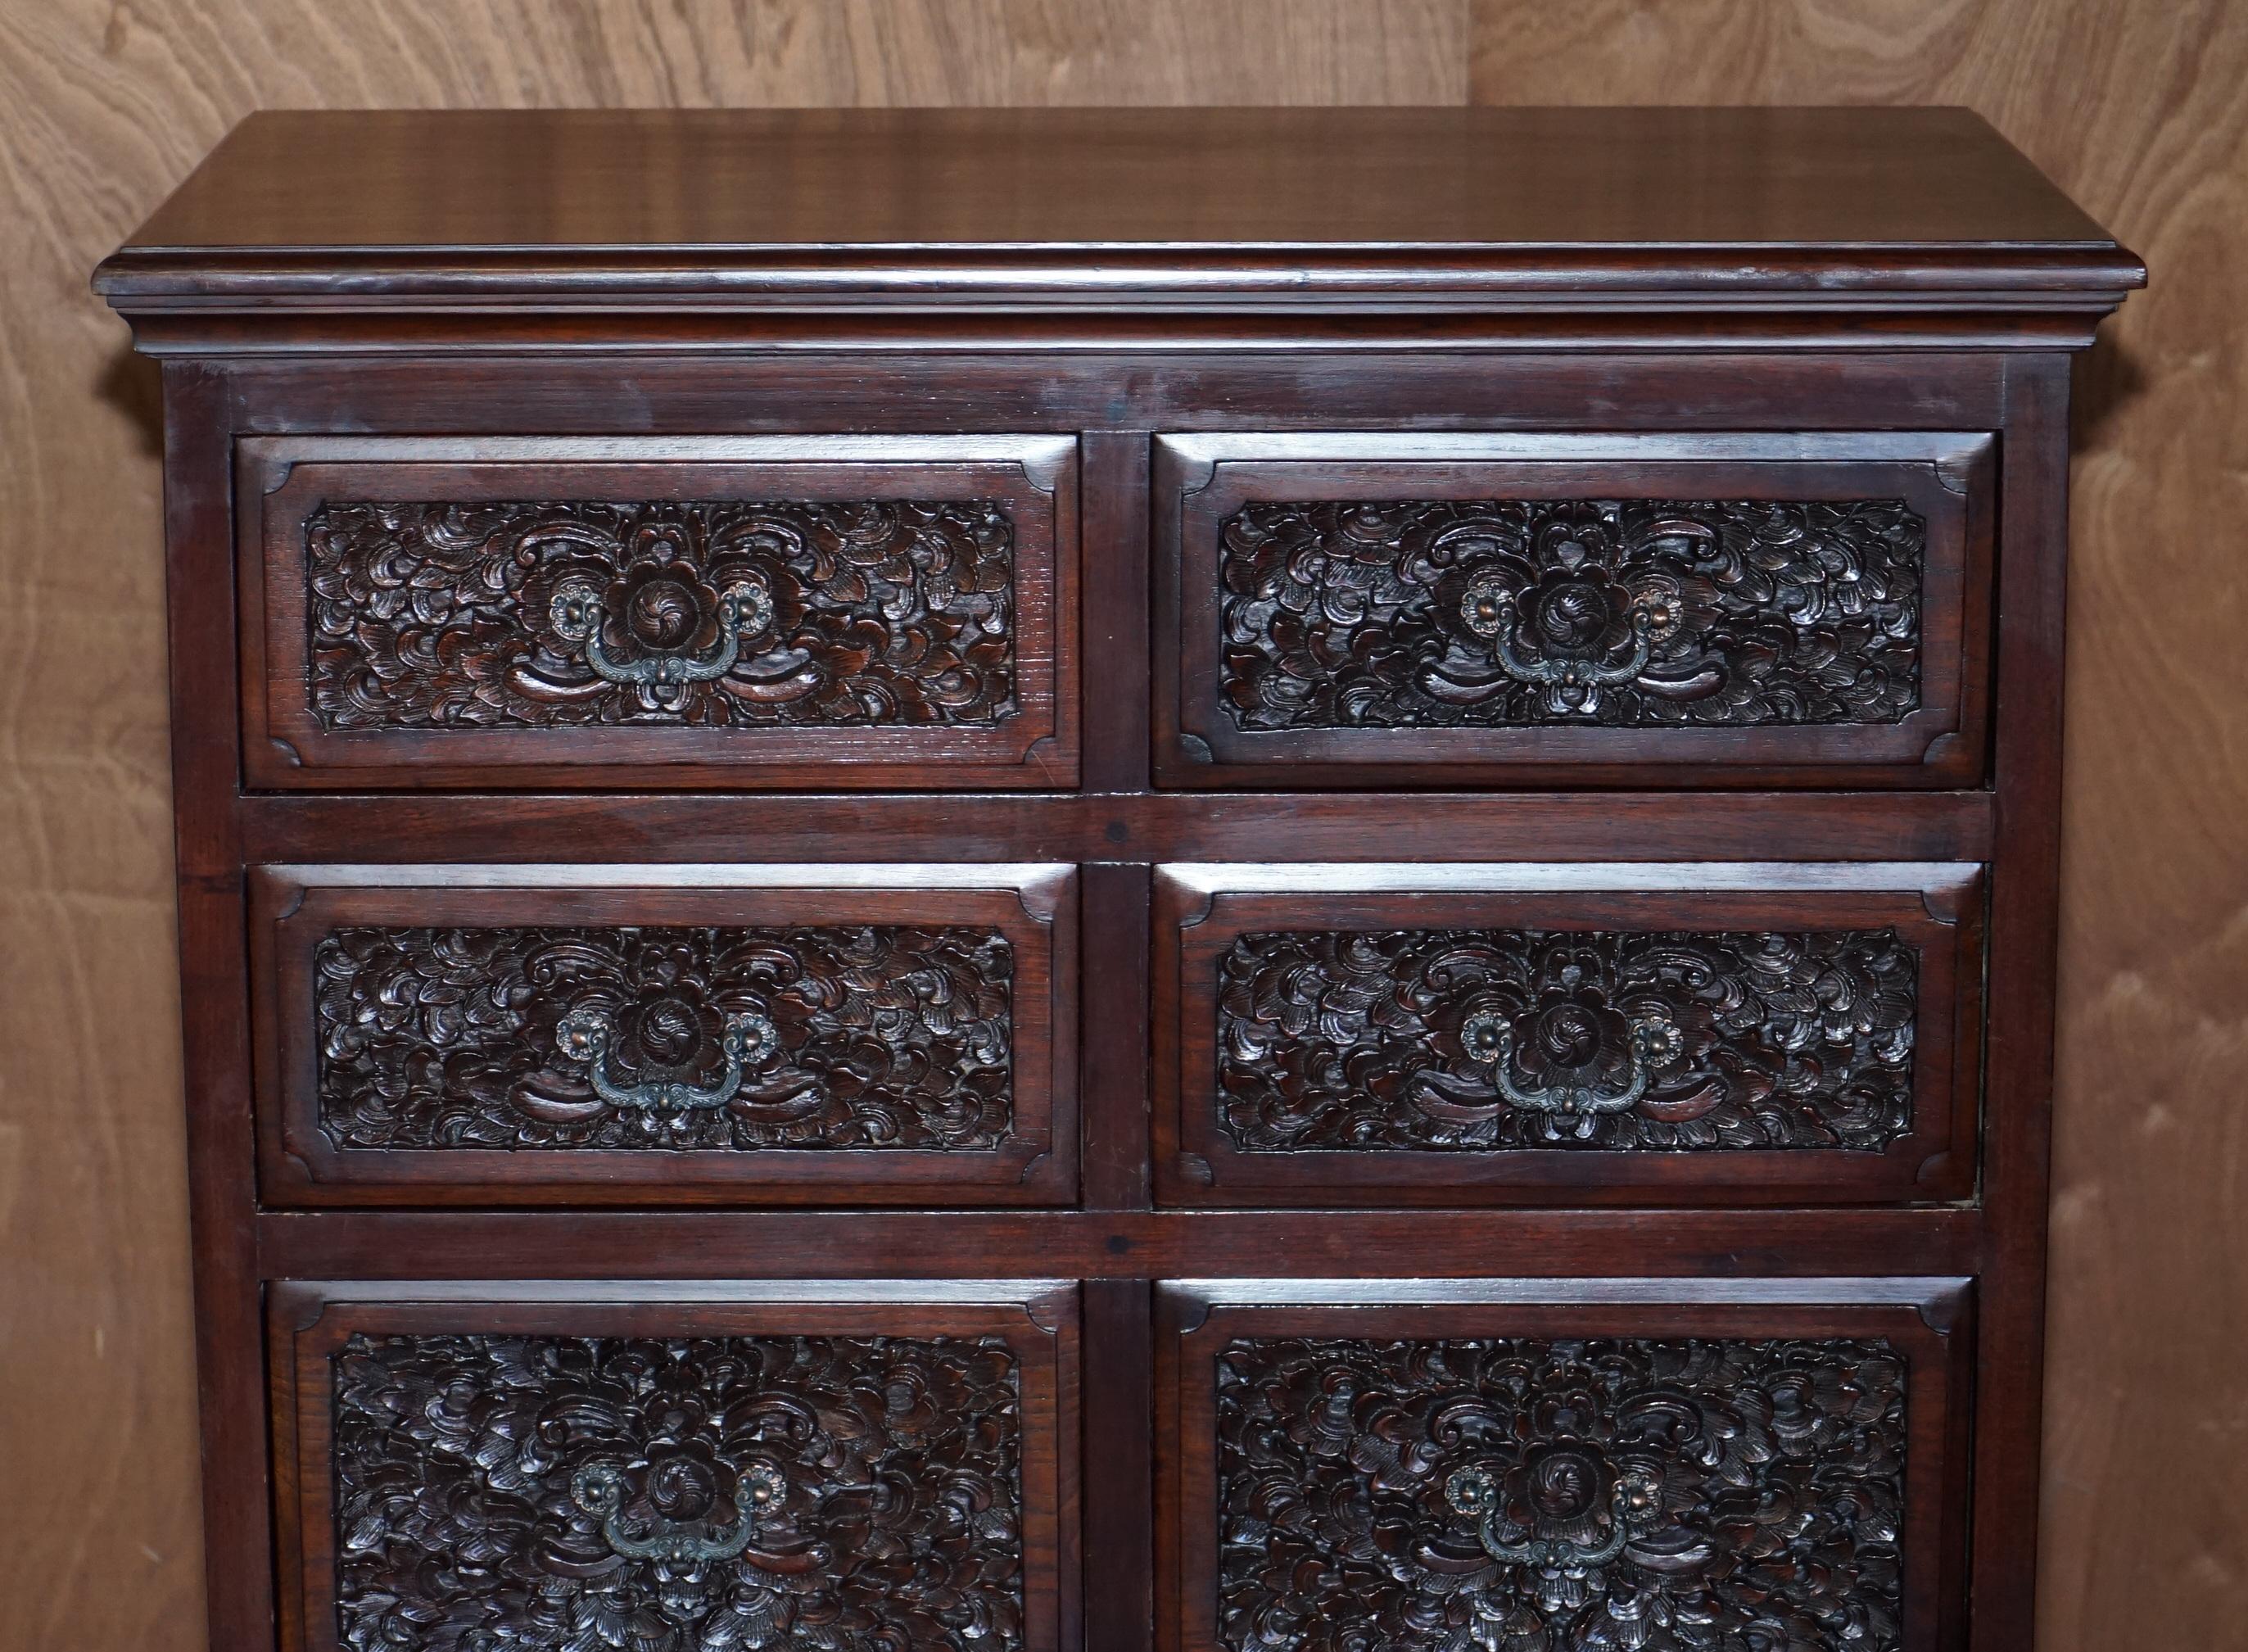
x=312, y=230
x=1089, y=178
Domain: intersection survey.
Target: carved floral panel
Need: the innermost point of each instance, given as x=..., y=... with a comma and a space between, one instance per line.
x=1509, y=1495
x=1506, y=1038
x=874, y=613
x=849, y=1037
x=1627, y=614
x=708, y=1494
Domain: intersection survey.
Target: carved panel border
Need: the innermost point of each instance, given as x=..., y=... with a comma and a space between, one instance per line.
x=767, y=612
x=1692, y=609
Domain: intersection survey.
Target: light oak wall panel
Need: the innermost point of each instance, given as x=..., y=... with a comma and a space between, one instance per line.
x=2139, y=108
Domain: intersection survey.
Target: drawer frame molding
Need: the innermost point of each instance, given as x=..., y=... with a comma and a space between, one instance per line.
x=1926, y=1322
x=1033, y=906
x=1203, y=910
x=1828, y=366
x=284, y=482
x=1202, y=479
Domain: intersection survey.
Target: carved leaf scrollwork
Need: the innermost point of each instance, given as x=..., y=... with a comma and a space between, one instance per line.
x=1626, y=613
x=860, y=1037
x=707, y=1494
x=1468, y=1039
x=870, y=613
x=1512, y=1495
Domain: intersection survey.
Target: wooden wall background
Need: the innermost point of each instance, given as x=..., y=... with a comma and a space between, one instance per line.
x=2139, y=107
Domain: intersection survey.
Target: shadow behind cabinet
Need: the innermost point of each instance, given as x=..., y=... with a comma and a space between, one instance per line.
x=1022, y=881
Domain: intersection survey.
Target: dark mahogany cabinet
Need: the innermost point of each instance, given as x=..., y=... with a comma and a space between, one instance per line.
x=1117, y=881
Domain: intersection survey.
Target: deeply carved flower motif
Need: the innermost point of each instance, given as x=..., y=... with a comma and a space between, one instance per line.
x=1565, y=1507
x=1523, y=1495
x=729, y=613
x=1576, y=1510
x=856, y=1035
x=1629, y=1621
x=1571, y=1033
x=1572, y=602
x=675, y=1495
x=697, y=1521
x=1561, y=1491
x=1814, y=1406
x=1455, y=1038
x=1521, y=612
x=669, y=1031
x=671, y=1050
x=1573, y=1052
x=1571, y=617
x=661, y=624
x=684, y=1481
x=659, y=607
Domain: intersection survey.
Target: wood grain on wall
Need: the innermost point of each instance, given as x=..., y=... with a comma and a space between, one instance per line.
x=2138, y=109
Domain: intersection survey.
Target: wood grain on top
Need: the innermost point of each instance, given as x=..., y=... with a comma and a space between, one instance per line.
x=508, y=193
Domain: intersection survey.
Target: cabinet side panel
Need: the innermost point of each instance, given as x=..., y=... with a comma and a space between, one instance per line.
x=2024, y=893
x=199, y=417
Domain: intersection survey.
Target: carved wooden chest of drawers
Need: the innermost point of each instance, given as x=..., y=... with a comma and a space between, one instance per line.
x=1126, y=881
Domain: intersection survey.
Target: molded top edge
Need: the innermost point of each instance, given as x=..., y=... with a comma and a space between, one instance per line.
x=1111, y=205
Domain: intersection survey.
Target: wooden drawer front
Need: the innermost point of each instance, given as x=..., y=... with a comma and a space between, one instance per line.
x=841, y=612
x=1401, y=1034
x=654, y=1034
x=680, y=1468
x=1659, y=609
x=1543, y=1465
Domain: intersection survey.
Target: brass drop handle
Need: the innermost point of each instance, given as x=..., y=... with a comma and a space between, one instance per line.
x=1489, y=1040
x=1633, y=1500
x=1488, y=608
x=584, y=1035
x=577, y=615
x=599, y=1488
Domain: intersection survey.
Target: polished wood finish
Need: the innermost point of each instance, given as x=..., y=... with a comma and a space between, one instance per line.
x=261, y=367
x=1144, y=827
x=1116, y=1244
x=406, y=183
x=1501, y=220
x=1878, y=382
